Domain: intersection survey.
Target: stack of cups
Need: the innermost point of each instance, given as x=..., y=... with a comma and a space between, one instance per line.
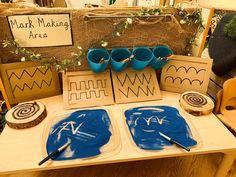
x=140, y=57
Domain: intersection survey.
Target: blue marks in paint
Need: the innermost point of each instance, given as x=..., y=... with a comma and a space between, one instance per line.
x=87, y=130
x=146, y=122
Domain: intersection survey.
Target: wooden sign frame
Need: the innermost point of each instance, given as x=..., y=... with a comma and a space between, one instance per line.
x=26, y=81
x=135, y=90
x=97, y=96
x=185, y=73
x=41, y=30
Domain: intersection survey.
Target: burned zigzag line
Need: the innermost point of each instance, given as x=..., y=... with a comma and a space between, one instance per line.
x=32, y=86
x=138, y=91
x=186, y=69
x=136, y=77
x=27, y=73
x=88, y=95
x=182, y=80
x=78, y=85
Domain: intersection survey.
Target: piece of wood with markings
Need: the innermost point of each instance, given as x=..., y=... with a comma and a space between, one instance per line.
x=185, y=73
x=87, y=89
x=26, y=81
x=132, y=86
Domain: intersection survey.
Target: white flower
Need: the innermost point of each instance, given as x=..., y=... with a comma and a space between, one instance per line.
x=104, y=44
x=129, y=20
x=182, y=22
x=22, y=59
x=73, y=54
x=79, y=63
x=189, y=54
x=38, y=55
x=79, y=47
x=117, y=34
x=157, y=13
x=196, y=39
x=58, y=67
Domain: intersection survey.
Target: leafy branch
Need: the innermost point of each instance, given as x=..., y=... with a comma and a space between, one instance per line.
x=230, y=28
x=120, y=27
x=58, y=64
x=190, y=18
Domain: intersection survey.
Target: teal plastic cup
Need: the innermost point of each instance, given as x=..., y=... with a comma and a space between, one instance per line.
x=142, y=57
x=118, y=56
x=160, y=52
x=94, y=57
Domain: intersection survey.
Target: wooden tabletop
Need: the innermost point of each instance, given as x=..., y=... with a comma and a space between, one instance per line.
x=21, y=150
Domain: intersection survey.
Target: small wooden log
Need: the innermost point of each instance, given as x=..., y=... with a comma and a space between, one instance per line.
x=196, y=103
x=26, y=115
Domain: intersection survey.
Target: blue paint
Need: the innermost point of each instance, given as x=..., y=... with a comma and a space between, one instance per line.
x=145, y=122
x=87, y=130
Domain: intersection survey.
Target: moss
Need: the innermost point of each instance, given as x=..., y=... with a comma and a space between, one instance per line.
x=230, y=28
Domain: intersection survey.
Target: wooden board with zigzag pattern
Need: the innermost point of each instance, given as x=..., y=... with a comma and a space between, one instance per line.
x=133, y=86
x=26, y=81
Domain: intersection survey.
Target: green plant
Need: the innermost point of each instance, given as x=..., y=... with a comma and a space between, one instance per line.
x=58, y=64
x=120, y=27
x=230, y=28
x=194, y=17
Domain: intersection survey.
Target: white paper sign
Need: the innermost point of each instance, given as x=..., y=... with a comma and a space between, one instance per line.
x=41, y=30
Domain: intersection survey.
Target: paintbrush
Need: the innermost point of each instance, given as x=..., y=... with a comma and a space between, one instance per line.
x=174, y=141
x=168, y=57
x=127, y=59
x=57, y=151
x=102, y=60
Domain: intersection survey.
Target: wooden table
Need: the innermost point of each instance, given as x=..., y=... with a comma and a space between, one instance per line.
x=21, y=150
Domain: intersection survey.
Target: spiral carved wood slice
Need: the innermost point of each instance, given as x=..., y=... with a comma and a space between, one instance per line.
x=196, y=103
x=26, y=115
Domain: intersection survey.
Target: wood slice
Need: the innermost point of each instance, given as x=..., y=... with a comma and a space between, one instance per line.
x=196, y=103
x=26, y=115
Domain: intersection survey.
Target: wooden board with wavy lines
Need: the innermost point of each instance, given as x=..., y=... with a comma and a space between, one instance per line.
x=25, y=81
x=133, y=86
x=184, y=73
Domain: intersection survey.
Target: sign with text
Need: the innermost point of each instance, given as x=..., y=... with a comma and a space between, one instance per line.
x=41, y=30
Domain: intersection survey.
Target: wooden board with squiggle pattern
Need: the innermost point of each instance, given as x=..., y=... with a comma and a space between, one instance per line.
x=184, y=73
